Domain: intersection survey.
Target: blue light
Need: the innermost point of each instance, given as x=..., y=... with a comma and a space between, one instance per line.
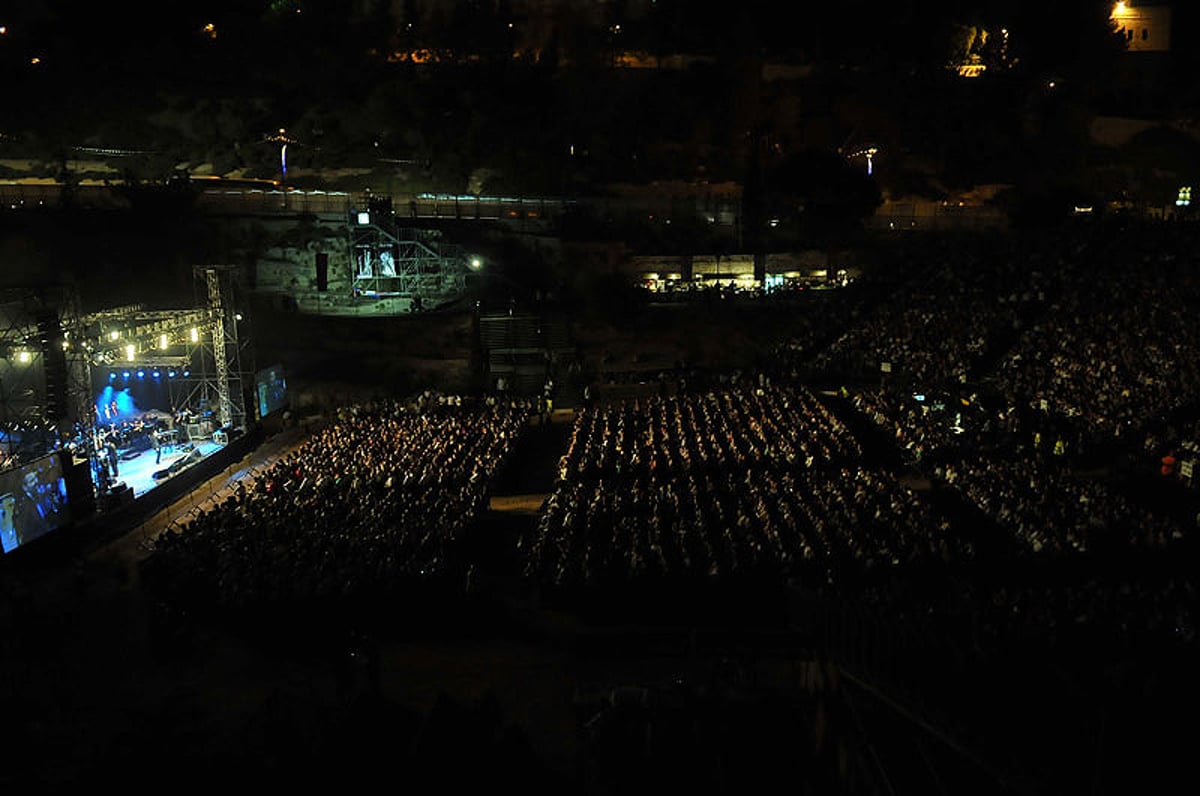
x=112, y=376
x=141, y=374
x=171, y=373
x=187, y=373
x=156, y=374
x=126, y=374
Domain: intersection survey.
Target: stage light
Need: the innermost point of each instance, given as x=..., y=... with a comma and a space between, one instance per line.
x=24, y=357
x=364, y=217
x=171, y=373
x=195, y=334
x=237, y=316
x=114, y=335
x=476, y=263
x=141, y=374
x=187, y=373
x=156, y=374
x=162, y=342
x=129, y=352
x=112, y=375
x=125, y=374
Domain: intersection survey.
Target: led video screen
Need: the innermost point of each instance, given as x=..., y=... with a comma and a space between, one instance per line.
x=272, y=390
x=33, y=502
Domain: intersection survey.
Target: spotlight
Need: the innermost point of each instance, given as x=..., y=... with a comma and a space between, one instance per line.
x=141, y=374
x=171, y=373
x=187, y=373
x=125, y=374
x=364, y=217
x=195, y=334
x=476, y=263
x=112, y=375
x=156, y=374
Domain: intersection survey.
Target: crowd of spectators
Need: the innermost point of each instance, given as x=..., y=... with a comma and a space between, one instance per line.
x=1049, y=510
x=1025, y=373
x=379, y=496
x=721, y=484
x=1010, y=358
x=1115, y=354
x=949, y=302
x=1084, y=331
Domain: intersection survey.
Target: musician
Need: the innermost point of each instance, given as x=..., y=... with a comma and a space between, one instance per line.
x=156, y=441
x=110, y=451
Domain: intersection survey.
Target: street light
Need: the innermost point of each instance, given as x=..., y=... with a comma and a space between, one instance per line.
x=283, y=140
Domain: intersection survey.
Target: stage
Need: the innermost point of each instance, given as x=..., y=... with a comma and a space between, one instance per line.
x=137, y=468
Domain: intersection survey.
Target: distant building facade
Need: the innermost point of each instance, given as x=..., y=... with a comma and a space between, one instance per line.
x=1145, y=28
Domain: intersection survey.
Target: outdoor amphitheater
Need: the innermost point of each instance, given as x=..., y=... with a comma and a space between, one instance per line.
x=935, y=524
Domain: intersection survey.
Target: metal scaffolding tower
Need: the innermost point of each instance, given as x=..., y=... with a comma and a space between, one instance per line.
x=223, y=374
x=391, y=260
x=44, y=371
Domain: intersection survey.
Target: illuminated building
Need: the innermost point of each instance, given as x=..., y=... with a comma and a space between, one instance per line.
x=1146, y=28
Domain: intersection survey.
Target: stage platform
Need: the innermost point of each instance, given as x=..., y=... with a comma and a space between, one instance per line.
x=137, y=469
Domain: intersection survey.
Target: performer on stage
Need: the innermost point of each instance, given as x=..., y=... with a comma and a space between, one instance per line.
x=111, y=452
x=156, y=441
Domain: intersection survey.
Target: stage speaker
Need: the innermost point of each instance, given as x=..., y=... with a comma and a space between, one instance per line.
x=81, y=494
x=322, y=272
x=119, y=495
x=54, y=364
